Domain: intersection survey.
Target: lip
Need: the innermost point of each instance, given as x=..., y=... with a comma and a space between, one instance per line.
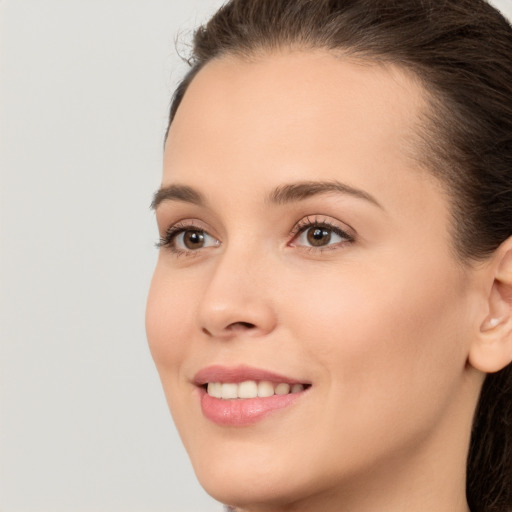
x=239, y=374
x=242, y=412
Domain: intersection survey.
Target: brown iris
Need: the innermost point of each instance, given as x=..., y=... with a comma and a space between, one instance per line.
x=193, y=239
x=318, y=236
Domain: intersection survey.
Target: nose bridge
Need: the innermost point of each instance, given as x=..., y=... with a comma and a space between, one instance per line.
x=237, y=296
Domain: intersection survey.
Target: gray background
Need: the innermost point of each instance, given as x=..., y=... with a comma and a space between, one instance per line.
x=84, y=93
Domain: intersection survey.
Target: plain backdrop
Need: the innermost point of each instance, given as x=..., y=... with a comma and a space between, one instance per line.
x=85, y=87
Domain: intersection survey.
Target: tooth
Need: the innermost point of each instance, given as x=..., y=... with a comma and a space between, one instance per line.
x=229, y=390
x=282, y=389
x=265, y=389
x=210, y=388
x=248, y=389
x=217, y=390
x=214, y=389
x=297, y=388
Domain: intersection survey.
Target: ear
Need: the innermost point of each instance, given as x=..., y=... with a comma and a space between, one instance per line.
x=491, y=349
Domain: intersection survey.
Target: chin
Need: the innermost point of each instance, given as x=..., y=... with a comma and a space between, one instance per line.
x=249, y=489
x=243, y=480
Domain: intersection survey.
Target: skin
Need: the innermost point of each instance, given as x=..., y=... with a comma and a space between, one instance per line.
x=382, y=324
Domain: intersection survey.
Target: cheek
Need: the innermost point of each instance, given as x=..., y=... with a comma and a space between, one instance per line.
x=388, y=343
x=168, y=322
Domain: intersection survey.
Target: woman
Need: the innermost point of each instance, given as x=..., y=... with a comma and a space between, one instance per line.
x=333, y=296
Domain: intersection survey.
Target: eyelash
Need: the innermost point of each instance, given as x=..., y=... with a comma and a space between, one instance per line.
x=174, y=231
x=315, y=222
x=167, y=241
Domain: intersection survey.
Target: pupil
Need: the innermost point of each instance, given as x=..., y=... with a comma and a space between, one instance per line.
x=319, y=236
x=193, y=239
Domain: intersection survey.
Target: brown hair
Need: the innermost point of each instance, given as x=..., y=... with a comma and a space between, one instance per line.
x=461, y=51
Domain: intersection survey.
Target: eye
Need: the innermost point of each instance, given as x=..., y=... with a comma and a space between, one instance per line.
x=318, y=237
x=193, y=239
x=312, y=233
x=187, y=239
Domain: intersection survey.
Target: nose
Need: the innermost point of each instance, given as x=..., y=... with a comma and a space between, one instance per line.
x=237, y=300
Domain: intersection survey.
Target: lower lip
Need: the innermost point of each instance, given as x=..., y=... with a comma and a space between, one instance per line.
x=242, y=412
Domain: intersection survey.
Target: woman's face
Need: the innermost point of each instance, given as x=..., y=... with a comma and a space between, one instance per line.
x=302, y=244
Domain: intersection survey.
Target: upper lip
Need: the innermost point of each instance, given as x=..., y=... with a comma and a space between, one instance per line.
x=236, y=374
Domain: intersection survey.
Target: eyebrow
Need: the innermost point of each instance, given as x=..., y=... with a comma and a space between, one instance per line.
x=303, y=190
x=177, y=193
x=283, y=194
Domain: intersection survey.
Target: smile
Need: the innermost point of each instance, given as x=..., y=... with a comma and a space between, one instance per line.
x=243, y=396
x=250, y=389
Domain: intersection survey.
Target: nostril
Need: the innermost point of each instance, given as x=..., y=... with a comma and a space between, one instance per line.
x=241, y=325
x=231, y=328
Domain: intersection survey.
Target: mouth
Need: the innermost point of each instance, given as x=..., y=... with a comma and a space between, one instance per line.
x=251, y=389
x=243, y=396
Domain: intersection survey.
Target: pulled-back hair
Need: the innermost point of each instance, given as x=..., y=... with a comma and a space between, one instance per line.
x=461, y=52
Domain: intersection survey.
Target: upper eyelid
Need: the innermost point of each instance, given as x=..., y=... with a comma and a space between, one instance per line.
x=185, y=224
x=170, y=213
x=317, y=219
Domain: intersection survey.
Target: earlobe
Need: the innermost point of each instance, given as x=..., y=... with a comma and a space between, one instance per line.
x=491, y=349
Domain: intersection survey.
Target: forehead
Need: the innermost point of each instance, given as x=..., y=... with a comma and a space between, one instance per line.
x=296, y=115
x=314, y=96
